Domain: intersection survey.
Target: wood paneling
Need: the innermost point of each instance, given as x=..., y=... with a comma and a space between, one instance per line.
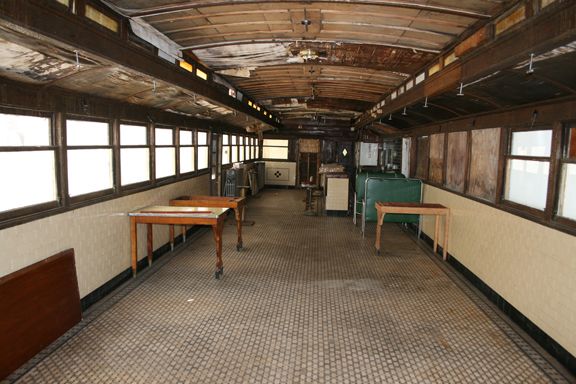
x=37, y=305
x=422, y=157
x=436, y=172
x=456, y=160
x=484, y=163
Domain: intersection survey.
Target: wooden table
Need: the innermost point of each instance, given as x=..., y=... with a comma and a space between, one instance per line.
x=419, y=209
x=159, y=214
x=236, y=203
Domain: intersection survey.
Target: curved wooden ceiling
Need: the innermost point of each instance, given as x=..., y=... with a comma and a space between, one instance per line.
x=361, y=49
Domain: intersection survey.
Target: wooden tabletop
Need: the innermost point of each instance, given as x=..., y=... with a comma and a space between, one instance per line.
x=171, y=211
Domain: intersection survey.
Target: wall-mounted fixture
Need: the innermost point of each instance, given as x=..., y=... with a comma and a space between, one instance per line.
x=530, y=69
x=460, y=91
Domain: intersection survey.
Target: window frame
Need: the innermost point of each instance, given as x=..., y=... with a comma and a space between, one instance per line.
x=169, y=178
x=564, y=158
x=179, y=155
x=508, y=156
x=200, y=171
x=287, y=146
x=17, y=213
x=80, y=199
x=140, y=184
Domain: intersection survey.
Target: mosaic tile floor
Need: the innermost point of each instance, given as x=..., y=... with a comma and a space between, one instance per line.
x=306, y=301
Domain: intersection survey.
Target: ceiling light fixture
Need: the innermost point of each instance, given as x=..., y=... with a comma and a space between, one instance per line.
x=426, y=102
x=404, y=112
x=308, y=54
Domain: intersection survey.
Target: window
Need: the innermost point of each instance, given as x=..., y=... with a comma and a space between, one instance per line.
x=527, y=168
x=134, y=154
x=234, y=149
x=567, y=193
x=101, y=18
x=225, y=149
x=89, y=157
x=165, y=152
x=201, y=74
x=255, y=148
x=186, y=151
x=241, y=149
x=202, y=147
x=26, y=145
x=275, y=149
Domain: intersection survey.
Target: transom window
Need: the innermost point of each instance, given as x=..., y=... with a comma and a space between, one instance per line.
x=275, y=149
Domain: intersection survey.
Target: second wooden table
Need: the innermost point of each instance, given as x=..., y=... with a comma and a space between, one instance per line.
x=235, y=203
x=415, y=208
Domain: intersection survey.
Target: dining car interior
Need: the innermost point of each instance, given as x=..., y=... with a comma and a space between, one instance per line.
x=333, y=191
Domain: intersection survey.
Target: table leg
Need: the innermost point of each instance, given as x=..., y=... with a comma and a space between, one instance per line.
x=436, y=230
x=171, y=237
x=446, y=233
x=133, y=245
x=239, y=214
x=149, y=244
x=217, y=231
x=183, y=228
x=379, y=222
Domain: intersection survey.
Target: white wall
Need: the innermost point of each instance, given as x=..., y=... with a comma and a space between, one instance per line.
x=280, y=173
x=99, y=234
x=531, y=266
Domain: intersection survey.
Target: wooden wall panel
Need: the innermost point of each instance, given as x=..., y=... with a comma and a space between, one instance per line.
x=484, y=163
x=436, y=172
x=422, y=157
x=456, y=161
x=572, y=144
x=38, y=304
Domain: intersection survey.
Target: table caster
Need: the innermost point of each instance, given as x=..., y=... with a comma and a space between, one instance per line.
x=239, y=247
x=219, y=273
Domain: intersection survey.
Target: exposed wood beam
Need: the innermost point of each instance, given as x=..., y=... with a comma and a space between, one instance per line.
x=539, y=34
x=68, y=31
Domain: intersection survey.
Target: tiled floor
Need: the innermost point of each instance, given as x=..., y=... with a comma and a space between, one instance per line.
x=306, y=301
